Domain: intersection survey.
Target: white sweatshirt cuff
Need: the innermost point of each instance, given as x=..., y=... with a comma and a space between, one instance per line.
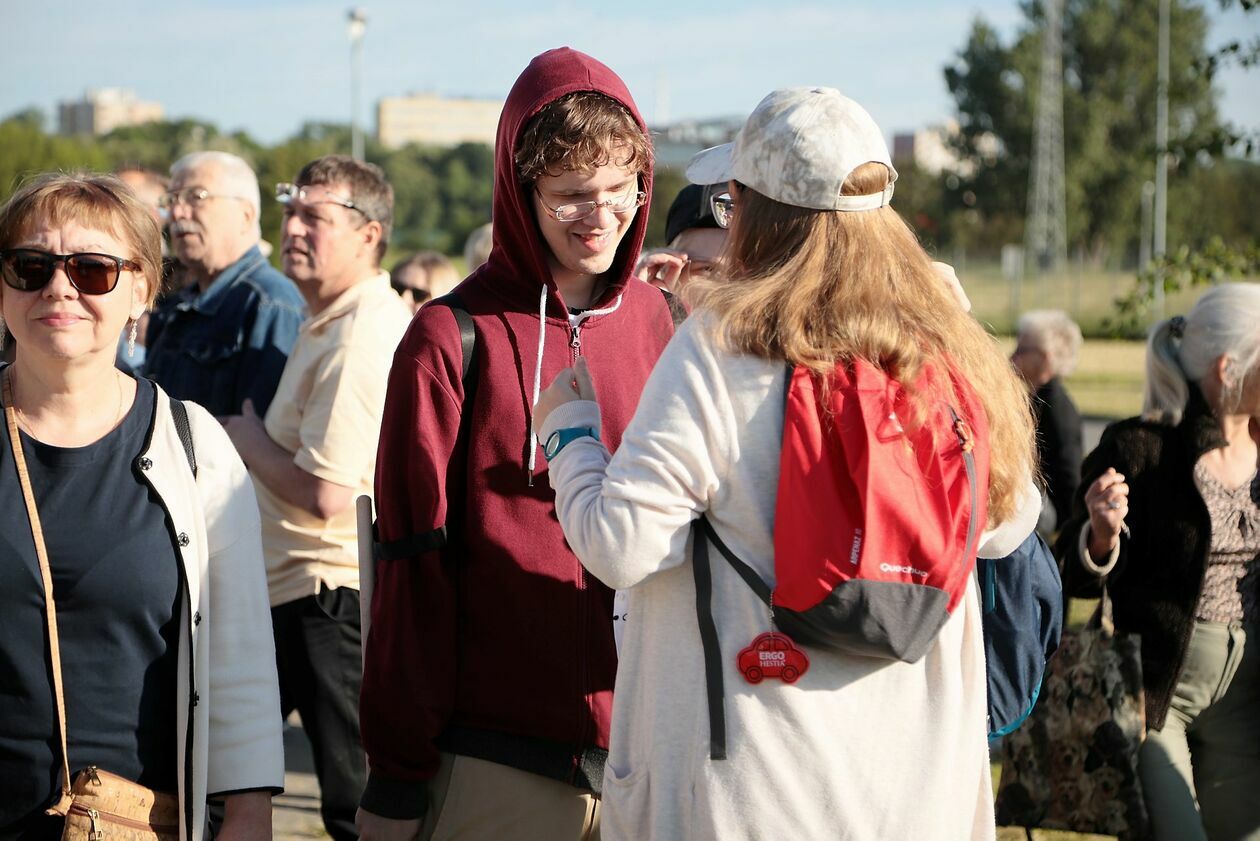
x=574, y=414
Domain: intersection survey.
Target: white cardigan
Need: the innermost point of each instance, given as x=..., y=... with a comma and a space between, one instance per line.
x=858, y=748
x=228, y=696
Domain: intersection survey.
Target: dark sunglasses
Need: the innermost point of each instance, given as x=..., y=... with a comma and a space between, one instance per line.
x=417, y=295
x=27, y=269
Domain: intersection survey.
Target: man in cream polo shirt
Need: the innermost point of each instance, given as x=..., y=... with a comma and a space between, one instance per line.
x=316, y=451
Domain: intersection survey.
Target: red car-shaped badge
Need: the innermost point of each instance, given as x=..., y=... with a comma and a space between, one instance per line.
x=772, y=655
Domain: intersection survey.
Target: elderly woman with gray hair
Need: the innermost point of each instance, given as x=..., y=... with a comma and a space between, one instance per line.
x=1169, y=517
x=1047, y=349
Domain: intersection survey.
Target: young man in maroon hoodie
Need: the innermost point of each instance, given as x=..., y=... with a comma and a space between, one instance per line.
x=487, y=688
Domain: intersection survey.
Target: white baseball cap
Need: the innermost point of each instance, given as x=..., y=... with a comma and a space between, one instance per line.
x=798, y=147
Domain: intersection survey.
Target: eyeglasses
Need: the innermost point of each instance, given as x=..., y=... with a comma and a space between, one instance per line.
x=581, y=210
x=27, y=269
x=191, y=196
x=723, y=209
x=419, y=296
x=289, y=193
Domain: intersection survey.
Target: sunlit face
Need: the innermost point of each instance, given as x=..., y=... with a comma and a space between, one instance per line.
x=211, y=234
x=57, y=321
x=586, y=247
x=324, y=242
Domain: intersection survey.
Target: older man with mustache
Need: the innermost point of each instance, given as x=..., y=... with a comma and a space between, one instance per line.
x=225, y=337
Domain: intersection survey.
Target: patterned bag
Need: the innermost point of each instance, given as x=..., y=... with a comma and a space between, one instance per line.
x=1073, y=763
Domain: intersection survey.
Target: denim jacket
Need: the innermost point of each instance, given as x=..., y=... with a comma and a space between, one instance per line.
x=230, y=343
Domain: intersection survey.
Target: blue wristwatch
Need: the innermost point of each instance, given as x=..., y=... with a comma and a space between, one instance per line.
x=561, y=438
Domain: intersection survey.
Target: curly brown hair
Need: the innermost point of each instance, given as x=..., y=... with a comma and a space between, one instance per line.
x=578, y=132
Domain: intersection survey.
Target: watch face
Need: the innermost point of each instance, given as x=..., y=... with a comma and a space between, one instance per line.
x=553, y=444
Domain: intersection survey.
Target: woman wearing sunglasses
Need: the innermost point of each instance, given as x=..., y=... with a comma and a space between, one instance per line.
x=156, y=636
x=813, y=742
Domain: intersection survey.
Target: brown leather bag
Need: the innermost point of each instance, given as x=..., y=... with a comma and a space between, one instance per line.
x=98, y=805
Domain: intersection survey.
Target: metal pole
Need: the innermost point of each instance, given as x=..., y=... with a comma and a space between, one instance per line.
x=357, y=23
x=1144, y=235
x=1160, y=244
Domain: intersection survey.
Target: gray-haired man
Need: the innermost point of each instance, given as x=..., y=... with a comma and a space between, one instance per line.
x=225, y=337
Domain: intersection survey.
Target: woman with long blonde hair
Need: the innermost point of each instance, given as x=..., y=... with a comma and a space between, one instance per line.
x=822, y=275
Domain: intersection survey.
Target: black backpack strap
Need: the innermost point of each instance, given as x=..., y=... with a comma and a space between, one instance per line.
x=676, y=309
x=179, y=412
x=713, y=682
x=750, y=576
x=467, y=334
x=702, y=532
x=414, y=544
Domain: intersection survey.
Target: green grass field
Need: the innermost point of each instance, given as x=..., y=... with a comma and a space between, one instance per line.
x=1108, y=380
x=1087, y=295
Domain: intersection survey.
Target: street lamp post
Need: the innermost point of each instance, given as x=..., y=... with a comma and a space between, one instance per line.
x=357, y=22
x=1160, y=236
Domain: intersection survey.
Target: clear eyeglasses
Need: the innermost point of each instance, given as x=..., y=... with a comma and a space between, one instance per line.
x=192, y=197
x=581, y=210
x=288, y=193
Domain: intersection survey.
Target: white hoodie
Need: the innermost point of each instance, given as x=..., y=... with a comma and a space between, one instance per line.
x=859, y=748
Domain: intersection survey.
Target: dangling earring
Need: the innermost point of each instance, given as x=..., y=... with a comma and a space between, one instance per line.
x=131, y=338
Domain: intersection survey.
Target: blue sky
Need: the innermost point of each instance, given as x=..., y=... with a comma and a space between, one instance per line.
x=266, y=66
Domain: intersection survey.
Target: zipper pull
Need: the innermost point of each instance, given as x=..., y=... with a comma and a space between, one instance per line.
x=576, y=341
x=95, y=834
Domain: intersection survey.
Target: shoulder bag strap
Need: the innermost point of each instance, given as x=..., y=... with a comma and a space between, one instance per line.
x=62, y=805
x=179, y=413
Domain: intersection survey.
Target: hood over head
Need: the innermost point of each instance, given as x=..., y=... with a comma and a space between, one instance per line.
x=518, y=258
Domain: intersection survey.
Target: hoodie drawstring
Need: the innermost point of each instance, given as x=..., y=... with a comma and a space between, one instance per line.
x=532, y=442
x=542, y=341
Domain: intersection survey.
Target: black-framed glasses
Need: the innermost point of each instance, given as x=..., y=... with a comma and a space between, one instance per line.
x=191, y=196
x=723, y=209
x=581, y=210
x=29, y=269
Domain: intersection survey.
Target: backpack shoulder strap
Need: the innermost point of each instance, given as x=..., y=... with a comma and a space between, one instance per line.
x=467, y=335
x=676, y=309
x=702, y=533
x=411, y=544
x=179, y=412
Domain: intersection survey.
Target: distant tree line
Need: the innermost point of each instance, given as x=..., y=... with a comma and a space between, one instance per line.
x=441, y=193
x=1109, y=63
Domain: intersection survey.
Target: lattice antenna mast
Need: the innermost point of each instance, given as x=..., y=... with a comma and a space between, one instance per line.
x=1045, y=232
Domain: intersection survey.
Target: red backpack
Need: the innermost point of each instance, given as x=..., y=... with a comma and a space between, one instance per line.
x=876, y=524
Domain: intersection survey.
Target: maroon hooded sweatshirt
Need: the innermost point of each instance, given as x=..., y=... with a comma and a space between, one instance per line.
x=494, y=642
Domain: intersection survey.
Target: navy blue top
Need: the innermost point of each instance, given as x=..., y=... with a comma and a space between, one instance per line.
x=118, y=583
x=230, y=343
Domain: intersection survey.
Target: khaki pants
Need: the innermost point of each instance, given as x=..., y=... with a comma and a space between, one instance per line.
x=1201, y=772
x=474, y=800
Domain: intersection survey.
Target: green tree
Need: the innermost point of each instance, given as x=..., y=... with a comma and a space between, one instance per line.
x=1109, y=65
